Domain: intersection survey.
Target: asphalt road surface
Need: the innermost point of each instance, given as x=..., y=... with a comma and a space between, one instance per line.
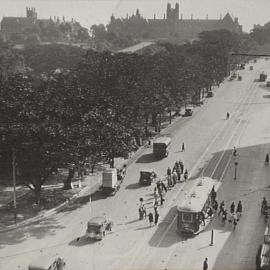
x=133, y=244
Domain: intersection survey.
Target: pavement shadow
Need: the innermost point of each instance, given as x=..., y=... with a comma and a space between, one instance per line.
x=147, y=158
x=82, y=241
x=38, y=230
x=266, y=96
x=133, y=186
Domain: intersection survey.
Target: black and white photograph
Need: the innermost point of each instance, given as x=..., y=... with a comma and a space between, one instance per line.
x=134, y=134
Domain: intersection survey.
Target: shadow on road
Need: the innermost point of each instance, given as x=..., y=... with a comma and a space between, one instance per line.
x=147, y=158
x=82, y=241
x=134, y=186
x=36, y=230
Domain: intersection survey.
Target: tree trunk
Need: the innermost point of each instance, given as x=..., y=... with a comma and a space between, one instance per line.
x=37, y=193
x=170, y=116
x=67, y=184
x=93, y=168
x=154, y=120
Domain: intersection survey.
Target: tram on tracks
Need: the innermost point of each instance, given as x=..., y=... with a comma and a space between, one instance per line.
x=197, y=202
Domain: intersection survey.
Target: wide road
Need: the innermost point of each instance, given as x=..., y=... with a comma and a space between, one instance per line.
x=209, y=138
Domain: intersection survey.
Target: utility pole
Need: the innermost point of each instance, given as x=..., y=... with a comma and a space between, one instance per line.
x=14, y=184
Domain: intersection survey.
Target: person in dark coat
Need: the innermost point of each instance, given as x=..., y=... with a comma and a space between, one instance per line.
x=186, y=175
x=215, y=206
x=213, y=194
x=150, y=218
x=232, y=208
x=181, y=166
x=183, y=147
x=156, y=217
x=221, y=208
x=239, y=208
x=205, y=264
x=224, y=216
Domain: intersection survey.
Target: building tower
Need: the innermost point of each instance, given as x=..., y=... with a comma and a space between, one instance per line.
x=173, y=13
x=31, y=13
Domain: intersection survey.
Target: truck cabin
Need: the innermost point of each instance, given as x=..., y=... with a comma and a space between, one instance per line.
x=161, y=146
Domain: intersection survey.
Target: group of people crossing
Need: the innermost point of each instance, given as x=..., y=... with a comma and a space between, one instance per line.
x=177, y=174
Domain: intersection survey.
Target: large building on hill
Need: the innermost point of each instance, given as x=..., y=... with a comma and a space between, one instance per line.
x=172, y=26
x=12, y=26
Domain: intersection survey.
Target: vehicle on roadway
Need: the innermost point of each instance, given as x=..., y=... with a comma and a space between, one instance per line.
x=161, y=146
x=188, y=111
x=268, y=84
x=210, y=94
x=198, y=200
x=147, y=176
x=97, y=227
x=110, y=181
x=262, y=77
x=45, y=263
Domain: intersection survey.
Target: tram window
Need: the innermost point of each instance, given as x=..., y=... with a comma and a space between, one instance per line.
x=187, y=217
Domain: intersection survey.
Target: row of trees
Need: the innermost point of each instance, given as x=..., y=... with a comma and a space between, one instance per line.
x=95, y=109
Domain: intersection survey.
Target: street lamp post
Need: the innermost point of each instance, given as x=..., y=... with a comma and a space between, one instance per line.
x=235, y=170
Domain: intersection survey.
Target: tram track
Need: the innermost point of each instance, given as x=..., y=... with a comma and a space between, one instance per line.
x=220, y=167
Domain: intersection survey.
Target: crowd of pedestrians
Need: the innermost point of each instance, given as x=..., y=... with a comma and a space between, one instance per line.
x=175, y=175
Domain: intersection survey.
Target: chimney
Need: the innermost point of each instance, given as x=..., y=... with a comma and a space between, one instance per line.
x=181, y=16
x=154, y=16
x=236, y=20
x=206, y=16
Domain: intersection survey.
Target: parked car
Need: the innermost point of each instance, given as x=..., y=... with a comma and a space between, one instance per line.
x=147, y=176
x=210, y=94
x=188, y=111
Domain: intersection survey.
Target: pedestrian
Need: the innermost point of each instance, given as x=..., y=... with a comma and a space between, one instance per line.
x=140, y=213
x=234, y=151
x=224, y=216
x=144, y=211
x=156, y=217
x=150, y=218
x=203, y=218
x=169, y=173
x=174, y=176
x=213, y=194
x=215, y=206
x=155, y=195
x=221, y=208
x=210, y=212
x=186, y=175
x=178, y=171
x=232, y=208
x=234, y=221
x=205, y=264
x=155, y=206
x=228, y=115
x=163, y=187
x=267, y=159
x=239, y=209
x=183, y=147
x=181, y=166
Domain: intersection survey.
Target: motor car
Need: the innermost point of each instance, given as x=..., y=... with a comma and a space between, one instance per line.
x=147, y=176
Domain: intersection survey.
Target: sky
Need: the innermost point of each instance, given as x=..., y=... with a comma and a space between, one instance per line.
x=89, y=12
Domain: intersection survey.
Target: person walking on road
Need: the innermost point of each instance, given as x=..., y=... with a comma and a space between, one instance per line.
x=151, y=219
x=181, y=166
x=221, y=208
x=174, y=177
x=234, y=221
x=183, y=147
x=239, y=209
x=215, y=206
x=205, y=264
x=266, y=162
x=227, y=116
x=234, y=151
x=185, y=175
x=156, y=217
x=224, y=216
x=169, y=173
x=232, y=208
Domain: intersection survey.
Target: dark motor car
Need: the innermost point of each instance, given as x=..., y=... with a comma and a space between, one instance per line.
x=147, y=177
